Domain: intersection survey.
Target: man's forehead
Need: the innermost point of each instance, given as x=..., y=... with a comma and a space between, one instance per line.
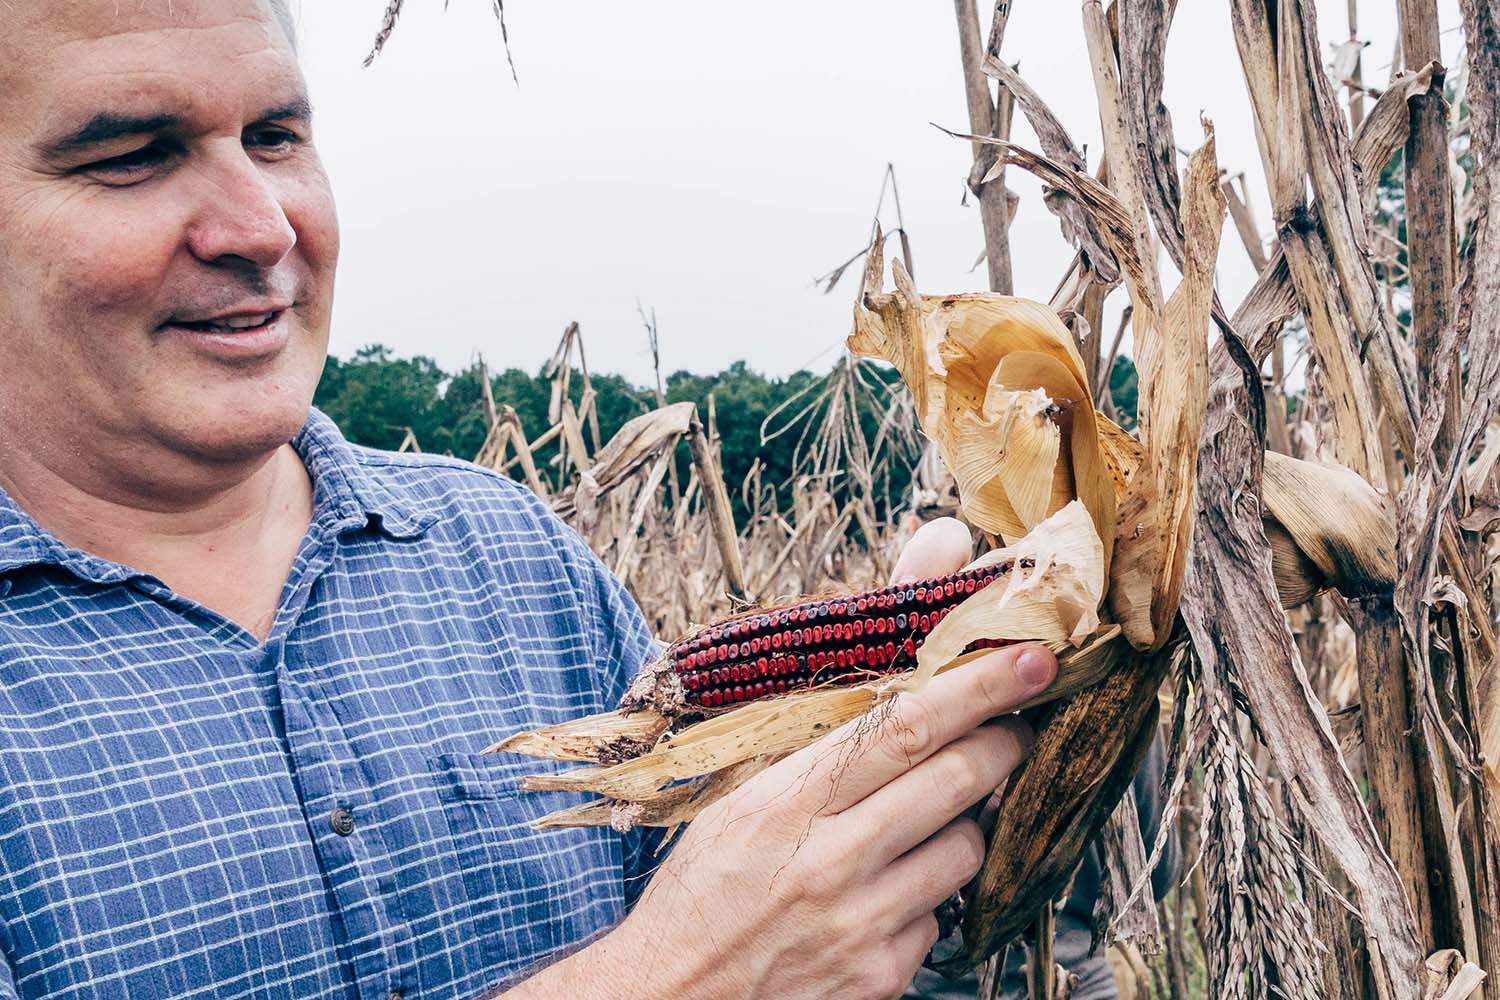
x=141, y=53
x=83, y=19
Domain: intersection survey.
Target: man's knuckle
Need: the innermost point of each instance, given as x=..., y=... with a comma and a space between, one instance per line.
x=889, y=976
x=916, y=729
x=995, y=688
x=811, y=878
x=957, y=779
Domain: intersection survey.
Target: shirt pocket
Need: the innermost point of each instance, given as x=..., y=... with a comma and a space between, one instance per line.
x=530, y=893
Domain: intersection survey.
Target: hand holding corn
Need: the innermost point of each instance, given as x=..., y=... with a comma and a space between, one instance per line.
x=818, y=877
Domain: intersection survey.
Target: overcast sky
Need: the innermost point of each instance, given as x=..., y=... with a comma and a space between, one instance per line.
x=709, y=159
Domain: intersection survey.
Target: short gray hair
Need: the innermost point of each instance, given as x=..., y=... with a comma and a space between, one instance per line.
x=283, y=11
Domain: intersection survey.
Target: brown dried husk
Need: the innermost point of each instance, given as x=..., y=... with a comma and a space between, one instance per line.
x=999, y=386
x=660, y=763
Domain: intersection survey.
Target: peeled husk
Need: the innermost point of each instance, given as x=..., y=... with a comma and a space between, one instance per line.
x=999, y=386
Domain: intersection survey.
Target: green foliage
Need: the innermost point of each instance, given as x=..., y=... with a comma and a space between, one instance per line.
x=374, y=397
x=1123, y=390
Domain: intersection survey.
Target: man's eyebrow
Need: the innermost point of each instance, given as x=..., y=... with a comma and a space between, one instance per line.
x=106, y=127
x=299, y=109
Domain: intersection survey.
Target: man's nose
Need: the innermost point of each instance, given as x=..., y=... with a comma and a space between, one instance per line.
x=239, y=214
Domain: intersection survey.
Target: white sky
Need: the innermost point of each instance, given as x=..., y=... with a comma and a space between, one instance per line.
x=708, y=158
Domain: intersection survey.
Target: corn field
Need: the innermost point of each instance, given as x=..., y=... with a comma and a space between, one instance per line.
x=1324, y=662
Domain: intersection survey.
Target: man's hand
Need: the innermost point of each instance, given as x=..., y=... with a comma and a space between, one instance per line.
x=817, y=878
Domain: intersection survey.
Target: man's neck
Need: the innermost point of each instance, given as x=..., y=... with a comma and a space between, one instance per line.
x=228, y=548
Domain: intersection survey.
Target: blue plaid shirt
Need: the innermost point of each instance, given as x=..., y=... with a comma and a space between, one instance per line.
x=187, y=811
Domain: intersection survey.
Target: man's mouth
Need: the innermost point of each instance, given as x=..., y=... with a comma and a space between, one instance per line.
x=232, y=324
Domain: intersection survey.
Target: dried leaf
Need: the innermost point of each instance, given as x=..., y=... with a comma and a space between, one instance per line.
x=974, y=364
x=1053, y=594
x=1154, y=530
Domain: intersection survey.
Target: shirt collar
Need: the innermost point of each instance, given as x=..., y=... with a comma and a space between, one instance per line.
x=345, y=497
x=344, y=488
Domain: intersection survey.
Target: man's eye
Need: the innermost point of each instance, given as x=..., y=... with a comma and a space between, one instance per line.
x=133, y=162
x=271, y=138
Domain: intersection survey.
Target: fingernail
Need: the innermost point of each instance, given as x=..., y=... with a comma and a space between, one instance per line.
x=1036, y=667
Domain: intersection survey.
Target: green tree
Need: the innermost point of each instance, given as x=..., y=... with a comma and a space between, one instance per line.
x=374, y=397
x=1123, y=383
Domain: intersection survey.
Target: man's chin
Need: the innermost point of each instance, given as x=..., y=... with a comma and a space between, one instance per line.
x=235, y=435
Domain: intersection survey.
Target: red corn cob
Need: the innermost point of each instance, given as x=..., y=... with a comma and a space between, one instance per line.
x=837, y=640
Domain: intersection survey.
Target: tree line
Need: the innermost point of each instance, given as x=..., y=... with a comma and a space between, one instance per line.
x=375, y=397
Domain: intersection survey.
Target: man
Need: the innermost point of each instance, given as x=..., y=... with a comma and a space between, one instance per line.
x=245, y=667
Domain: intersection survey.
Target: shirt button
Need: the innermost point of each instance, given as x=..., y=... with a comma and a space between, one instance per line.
x=342, y=821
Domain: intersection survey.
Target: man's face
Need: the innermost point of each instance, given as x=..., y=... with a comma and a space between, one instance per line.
x=167, y=233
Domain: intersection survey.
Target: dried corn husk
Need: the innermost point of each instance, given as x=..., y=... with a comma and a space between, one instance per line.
x=656, y=770
x=999, y=386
